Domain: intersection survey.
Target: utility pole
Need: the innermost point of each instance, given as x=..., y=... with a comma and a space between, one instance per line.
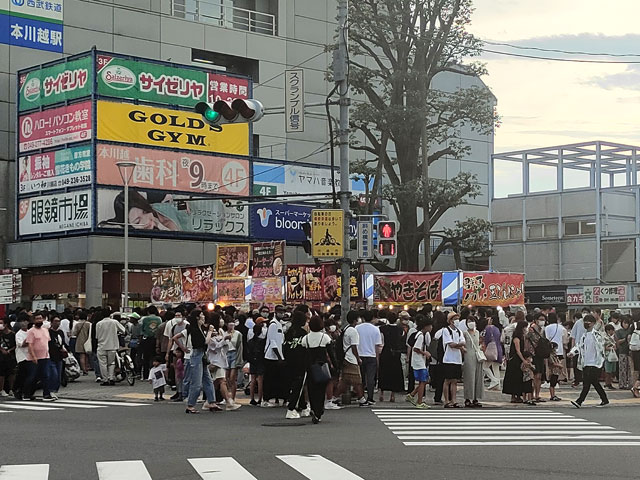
x=340, y=69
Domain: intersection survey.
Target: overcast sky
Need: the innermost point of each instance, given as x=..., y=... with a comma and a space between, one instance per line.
x=544, y=103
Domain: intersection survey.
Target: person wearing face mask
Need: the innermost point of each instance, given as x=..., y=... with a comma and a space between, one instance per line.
x=591, y=356
x=199, y=377
x=23, y=358
x=472, y=367
x=7, y=357
x=173, y=327
x=37, y=342
x=58, y=351
x=391, y=376
x=107, y=331
x=532, y=340
x=235, y=358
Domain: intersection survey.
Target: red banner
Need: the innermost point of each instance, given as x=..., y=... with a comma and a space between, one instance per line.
x=197, y=284
x=493, y=289
x=408, y=289
x=230, y=291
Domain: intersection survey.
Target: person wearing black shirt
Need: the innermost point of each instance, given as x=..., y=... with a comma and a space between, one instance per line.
x=57, y=353
x=7, y=357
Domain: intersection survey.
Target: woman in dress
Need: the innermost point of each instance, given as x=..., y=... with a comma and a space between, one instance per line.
x=391, y=377
x=513, y=383
x=472, y=375
x=315, y=343
x=235, y=358
x=81, y=333
x=493, y=351
x=624, y=359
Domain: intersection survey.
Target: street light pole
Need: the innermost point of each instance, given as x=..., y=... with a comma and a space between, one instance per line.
x=126, y=172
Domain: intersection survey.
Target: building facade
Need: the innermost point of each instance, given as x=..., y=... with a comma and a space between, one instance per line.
x=253, y=38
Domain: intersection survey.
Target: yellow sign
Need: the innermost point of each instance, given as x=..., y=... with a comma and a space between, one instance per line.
x=327, y=233
x=161, y=127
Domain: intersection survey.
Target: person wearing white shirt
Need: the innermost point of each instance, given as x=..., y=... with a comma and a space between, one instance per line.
x=591, y=352
x=274, y=387
x=555, y=333
x=107, y=331
x=350, y=372
x=419, y=357
x=454, y=346
x=368, y=349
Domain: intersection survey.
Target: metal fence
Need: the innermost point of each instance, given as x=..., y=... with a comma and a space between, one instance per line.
x=224, y=14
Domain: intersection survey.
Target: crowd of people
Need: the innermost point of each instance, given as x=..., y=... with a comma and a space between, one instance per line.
x=308, y=359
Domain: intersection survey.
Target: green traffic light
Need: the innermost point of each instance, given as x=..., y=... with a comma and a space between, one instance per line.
x=211, y=115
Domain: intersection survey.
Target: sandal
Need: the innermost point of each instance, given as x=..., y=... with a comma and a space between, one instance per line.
x=467, y=404
x=191, y=410
x=540, y=400
x=635, y=391
x=448, y=405
x=530, y=402
x=455, y=405
x=476, y=404
x=555, y=399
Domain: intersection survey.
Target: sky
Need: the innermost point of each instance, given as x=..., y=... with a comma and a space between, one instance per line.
x=544, y=103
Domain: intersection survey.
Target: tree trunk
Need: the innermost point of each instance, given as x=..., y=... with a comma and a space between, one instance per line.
x=408, y=258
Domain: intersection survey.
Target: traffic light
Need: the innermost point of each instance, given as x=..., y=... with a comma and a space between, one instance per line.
x=387, y=239
x=238, y=111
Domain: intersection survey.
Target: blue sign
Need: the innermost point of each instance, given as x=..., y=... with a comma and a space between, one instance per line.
x=29, y=33
x=283, y=222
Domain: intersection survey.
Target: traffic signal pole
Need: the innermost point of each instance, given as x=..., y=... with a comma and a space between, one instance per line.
x=341, y=67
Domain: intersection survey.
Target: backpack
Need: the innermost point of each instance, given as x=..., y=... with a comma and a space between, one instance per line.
x=543, y=349
x=339, y=350
x=634, y=342
x=440, y=348
x=411, y=341
x=255, y=349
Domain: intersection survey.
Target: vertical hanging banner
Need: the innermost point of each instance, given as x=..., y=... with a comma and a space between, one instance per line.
x=268, y=259
x=233, y=261
x=327, y=232
x=332, y=283
x=294, y=100
x=493, y=289
x=295, y=283
x=197, y=284
x=313, y=283
x=408, y=289
x=166, y=285
x=266, y=290
x=230, y=291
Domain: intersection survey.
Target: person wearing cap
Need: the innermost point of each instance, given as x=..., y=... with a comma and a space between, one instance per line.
x=454, y=346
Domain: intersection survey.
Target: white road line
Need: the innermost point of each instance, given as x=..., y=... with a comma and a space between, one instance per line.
x=316, y=467
x=467, y=412
x=505, y=428
x=122, y=470
x=219, y=468
x=546, y=443
x=24, y=472
x=434, y=433
x=91, y=402
x=5, y=411
x=20, y=406
x=477, y=424
x=519, y=437
x=76, y=405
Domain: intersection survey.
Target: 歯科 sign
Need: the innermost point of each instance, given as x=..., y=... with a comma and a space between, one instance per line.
x=56, y=126
x=493, y=289
x=327, y=232
x=162, y=127
x=60, y=212
x=175, y=171
x=70, y=167
x=408, y=289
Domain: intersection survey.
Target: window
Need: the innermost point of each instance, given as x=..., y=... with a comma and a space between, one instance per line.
x=542, y=230
x=551, y=230
x=587, y=227
x=515, y=232
x=571, y=228
x=535, y=231
x=510, y=232
x=580, y=227
x=230, y=63
x=501, y=233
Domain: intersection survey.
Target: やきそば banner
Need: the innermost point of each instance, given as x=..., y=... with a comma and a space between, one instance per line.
x=162, y=83
x=70, y=167
x=175, y=171
x=492, y=289
x=233, y=261
x=162, y=127
x=408, y=289
x=56, y=83
x=56, y=126
x=60, y=212
x=162, y=211
x=268, y=259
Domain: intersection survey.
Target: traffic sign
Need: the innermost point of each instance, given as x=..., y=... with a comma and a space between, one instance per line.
x=327, y=233
x=365, y=239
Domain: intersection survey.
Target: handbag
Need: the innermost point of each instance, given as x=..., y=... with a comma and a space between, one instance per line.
x=612, y=356
x=480, y=355
x=133, y=343
x=319, y=371
x=88, y=345
x=491, y=352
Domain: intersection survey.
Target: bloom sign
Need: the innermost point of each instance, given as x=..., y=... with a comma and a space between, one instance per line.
x=57, y=126
x=493, y=289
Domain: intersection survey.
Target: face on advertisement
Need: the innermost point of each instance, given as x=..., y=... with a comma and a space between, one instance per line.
x=141, y=213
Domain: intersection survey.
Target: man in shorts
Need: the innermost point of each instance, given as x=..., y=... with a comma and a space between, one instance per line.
x=350, y=375
x=454, y=346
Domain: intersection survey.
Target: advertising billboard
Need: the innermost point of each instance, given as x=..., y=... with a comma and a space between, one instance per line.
x=268, y=259
x=31, y=32
x=56, y=126
x=233, y=261
x=493, y=289
x=161, y=83
x=408, y=289
x=162, y=211
x=70, y=167
x=60, y=212
x=176, y=171
x=161, y=127
x=55, y=83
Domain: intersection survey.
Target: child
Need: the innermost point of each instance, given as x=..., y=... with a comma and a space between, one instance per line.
x=528, y=372
x=610, y=356
x=157, y=378
x=419, y=359
x=178, y=367
x=555, y=370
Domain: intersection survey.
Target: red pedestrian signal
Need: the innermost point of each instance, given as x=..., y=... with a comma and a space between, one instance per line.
x=387, y=241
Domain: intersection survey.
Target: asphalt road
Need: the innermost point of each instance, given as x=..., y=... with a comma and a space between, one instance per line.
x=72, y=440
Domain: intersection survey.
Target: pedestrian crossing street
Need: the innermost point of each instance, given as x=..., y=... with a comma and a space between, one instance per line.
x=312, y=467
x=62, y=404
x=499, y=427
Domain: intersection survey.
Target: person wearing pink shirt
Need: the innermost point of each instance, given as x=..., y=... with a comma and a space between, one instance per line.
x=37, y=342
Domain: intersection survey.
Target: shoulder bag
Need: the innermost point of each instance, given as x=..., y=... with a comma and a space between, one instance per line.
x=319, y=371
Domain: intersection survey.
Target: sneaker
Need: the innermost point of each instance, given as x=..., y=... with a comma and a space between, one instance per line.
x=364, y=404
x=314, y=419
x=371, y=402
x=54, y=396
x=411, y=399
x=175, y=396
x=292, y=414
x=232, y=406
x=98, y=379
x=48, y=399
x=576, y=404
x=331, y=406
x=3, y=394
x=306, y=412
x=603, y=404
x=545, y=385
x=266, y=404
x=423, y=406
x=254, y=403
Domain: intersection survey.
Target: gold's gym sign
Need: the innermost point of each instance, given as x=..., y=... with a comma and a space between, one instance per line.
x=141, y=124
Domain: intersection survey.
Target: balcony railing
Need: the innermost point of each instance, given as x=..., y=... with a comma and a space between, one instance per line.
x=223, y=15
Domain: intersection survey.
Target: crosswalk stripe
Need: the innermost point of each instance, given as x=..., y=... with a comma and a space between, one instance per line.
x=92, y=402
x=5, y=411
x=19, y=406
x=520, y=437
x=219, y=468
x=24, y=472
x=433, y=433
x=480, y=424
x=316, y=467
x=399, y=411
x=546, y=443
x=61, y=404
x=123, y=470
x=506, y=428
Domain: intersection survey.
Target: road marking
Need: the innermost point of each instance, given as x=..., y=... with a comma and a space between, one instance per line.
x=481, y=424
x=546, y=443
x=519, y=437
x=529, y=432
x=24, y=472
x=64, y=403
x=123, y=470
x=219, y=468
x=20, y=406
x=91, y=402
x=316, y=467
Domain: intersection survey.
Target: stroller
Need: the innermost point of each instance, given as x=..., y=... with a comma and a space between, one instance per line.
x=71, y=370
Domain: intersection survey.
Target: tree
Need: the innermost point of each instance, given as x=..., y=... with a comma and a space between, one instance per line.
x=398, y=47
